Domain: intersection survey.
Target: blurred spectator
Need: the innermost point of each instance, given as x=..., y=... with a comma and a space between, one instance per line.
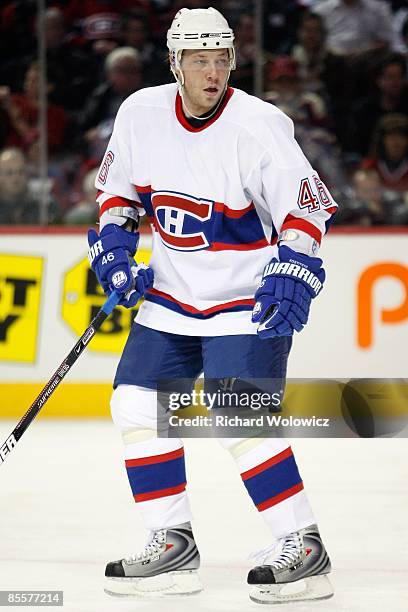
x=281, y=20
x=309, y=114
x=61, y=172
x=70, y=70
x=102, y=34
x=390, y=96
x=101, y=18
x=361, y=32
x=123, y=77
x=98, y=25
x=232, y=9
x=356, y=27
x=135, y=33
x=102, y=27
x=245, y=49
x=320, y=70
x=401, y=30
x=18, y=201
x=17, y=30
x=20, y=112
x=390, y=152
x=404, y=37
x=371, y=204
x=71, y=67
x=284, y=89
x=86, y=211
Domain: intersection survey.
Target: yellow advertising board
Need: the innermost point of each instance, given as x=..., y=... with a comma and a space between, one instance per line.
x=83, y=297
x=20, y=294
x=49, y=294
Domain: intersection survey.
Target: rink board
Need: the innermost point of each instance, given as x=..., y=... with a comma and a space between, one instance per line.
x=358, y=326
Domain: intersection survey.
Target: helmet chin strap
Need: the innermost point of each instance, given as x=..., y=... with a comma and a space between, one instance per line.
x=185, y=107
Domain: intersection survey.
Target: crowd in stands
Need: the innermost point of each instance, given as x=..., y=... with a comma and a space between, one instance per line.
x=338, y=68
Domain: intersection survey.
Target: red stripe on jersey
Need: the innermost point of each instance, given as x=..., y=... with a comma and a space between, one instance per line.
x=218, y=307
x=292, y=222
x=179, y=452
x=249, y=246
x=140, y=497
x=143, y=188
x=231, y=212
x=330, y=210
x=118, y=201
x=182, y=118
x=173, y=201
x=272, y=501
x=266, y=464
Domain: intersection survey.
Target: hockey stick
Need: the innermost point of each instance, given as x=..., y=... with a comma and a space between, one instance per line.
x=58, y=376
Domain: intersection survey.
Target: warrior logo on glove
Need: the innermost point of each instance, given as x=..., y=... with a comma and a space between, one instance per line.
x=285, y=293
x=296, y=270
x=95, y=250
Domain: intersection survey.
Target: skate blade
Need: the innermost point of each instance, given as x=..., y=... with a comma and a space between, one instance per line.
x=312, y=588
x=163, y=585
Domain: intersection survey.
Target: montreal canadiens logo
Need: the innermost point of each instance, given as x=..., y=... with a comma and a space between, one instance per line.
x=180, y=219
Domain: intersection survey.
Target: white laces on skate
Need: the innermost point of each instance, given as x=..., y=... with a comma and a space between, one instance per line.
x=152, y=547
x=282, y=553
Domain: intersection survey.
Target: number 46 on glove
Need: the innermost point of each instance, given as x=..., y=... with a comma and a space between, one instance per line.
x=111, y=257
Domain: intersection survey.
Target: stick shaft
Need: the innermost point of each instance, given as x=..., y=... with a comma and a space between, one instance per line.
x=58, y=376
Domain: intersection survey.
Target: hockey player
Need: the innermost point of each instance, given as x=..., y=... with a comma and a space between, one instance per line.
x=228, y=192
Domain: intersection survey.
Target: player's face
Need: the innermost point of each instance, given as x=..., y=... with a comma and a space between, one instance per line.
x=205, y=76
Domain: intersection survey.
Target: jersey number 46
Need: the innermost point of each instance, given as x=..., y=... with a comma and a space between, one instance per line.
x=308, y=199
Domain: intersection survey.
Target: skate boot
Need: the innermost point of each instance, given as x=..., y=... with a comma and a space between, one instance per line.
x=166, y=566
x=294, y=569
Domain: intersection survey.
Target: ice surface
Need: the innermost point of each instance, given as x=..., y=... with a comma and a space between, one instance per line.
x=66, y=510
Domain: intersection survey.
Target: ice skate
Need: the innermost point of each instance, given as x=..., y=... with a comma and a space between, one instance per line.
x=294, y=569
x=166, y=566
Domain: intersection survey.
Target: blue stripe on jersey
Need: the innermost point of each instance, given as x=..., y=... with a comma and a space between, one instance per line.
x=329, y=222
x=274, y=234
x=189, y=311
x=242, y=230
x=146, y=200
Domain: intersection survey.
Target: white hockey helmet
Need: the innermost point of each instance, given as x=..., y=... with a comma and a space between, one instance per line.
x=199, y=29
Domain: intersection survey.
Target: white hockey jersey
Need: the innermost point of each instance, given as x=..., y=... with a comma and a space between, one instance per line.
x=216, y=196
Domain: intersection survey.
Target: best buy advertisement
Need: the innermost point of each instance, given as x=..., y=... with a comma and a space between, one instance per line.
x=20, y=297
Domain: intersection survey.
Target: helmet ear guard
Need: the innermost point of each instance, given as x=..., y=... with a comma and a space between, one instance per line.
x=175, y=65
